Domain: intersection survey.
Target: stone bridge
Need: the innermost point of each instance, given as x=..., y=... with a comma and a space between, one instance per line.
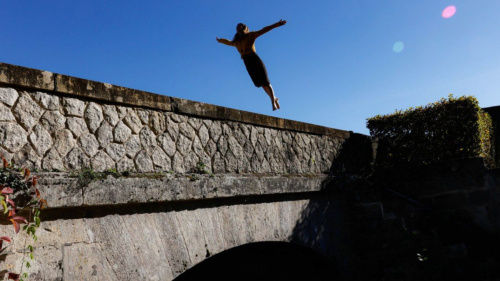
x=185, y=180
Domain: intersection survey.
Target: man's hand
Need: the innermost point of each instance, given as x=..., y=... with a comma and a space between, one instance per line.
x=281, y=22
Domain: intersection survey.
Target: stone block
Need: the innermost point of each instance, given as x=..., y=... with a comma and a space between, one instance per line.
x=73, y=107
x=12, y=137
x=6, y=114
x=53, y=121
x=8, y=95
x=93, y=116
x=27, y=111
x=121, y=132
x=27, y=77
x=111, y=93
x=47, y=101
x=77, y=126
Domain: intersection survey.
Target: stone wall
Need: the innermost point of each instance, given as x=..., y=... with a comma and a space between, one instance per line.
x=148, y=246
x=157, y=221
x=65, y=127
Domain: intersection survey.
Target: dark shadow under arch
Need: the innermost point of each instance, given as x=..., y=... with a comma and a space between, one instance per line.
x=263, y=261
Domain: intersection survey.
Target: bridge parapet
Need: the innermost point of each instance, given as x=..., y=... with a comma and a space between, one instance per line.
x=55, y=122
x=201, y=178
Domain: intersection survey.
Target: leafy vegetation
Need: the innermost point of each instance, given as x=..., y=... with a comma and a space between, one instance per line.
x=21, y=202
x=448, y=129
x=88, y=175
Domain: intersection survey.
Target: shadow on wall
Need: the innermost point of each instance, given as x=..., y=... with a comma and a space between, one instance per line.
x=262, y=261
x=319, y=248
x=324, y=223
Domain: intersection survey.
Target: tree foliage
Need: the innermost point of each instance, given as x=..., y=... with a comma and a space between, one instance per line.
x=448, y=129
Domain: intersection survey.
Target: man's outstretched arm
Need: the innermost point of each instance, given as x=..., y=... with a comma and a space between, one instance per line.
x=270, y=27
x=224, y=41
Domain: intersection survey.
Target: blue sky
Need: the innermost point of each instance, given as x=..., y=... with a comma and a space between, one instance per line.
x=332, y=64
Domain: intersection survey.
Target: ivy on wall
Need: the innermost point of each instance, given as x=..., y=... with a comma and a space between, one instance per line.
x=21, y=202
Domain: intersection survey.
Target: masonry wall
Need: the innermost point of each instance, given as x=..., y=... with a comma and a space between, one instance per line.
x=156, y=222
x=67, y=129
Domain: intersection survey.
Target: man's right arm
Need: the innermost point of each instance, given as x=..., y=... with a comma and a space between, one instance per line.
x=225, y=41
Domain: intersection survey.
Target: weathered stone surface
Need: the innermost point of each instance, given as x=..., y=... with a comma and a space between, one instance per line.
x=167, y=144
x=192, y=232
x=12, y=137
x=195, y=123
x=170, y=187
x=122, y=111
x=53, y=161
x=231, y=162
x=105, y=134
x=53, y=121
x=157, y=122
x=7, y=155
x=88, y=262
x=187, y=130
x=211, y=148
x=178, y=163
x=6, y=114
x=41, y=139
x=116, y=94
x=48, y=102
x=73, y=107
x=116, y=151
x=76, y=159
x=64, y=141
x=204, y=135
x=173, y=130
x=102, y=162
x=27, y=111
x=235, y=147
x=27, y=157
x=133, y=146
x=222, y=145
x=27, y=77
x=125, y=164
x=110, y=114
x=77, y=126
x=89, y=144
x=160, y=160
x=93, y=116
x=148, y=139
x=133, y=121
x=8, y=96
x=177, y=118
x=121, y=132
x=197, y=147
x=190, y=162
x=46, y=265
x=144, y=116
x=143, y=162
x=218, y=163
x=183, y=145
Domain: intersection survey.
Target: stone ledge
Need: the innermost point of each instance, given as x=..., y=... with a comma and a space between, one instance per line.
x=18, y=76
x=107, y=92
x=61, y=190
x=26, y=77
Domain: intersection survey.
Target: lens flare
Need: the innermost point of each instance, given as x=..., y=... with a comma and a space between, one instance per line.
x=398, y=47
x=448, y=12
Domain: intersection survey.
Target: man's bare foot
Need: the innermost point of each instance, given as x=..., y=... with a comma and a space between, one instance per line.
x=276, y=102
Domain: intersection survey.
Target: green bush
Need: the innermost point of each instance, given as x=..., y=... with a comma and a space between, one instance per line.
x=448, y=129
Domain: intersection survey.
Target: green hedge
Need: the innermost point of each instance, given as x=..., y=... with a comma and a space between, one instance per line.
x=448, y=129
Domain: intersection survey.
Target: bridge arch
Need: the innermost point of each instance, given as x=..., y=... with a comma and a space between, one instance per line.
x=269, y=260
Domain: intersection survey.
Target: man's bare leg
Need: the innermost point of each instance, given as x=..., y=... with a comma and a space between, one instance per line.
x=270, y=92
